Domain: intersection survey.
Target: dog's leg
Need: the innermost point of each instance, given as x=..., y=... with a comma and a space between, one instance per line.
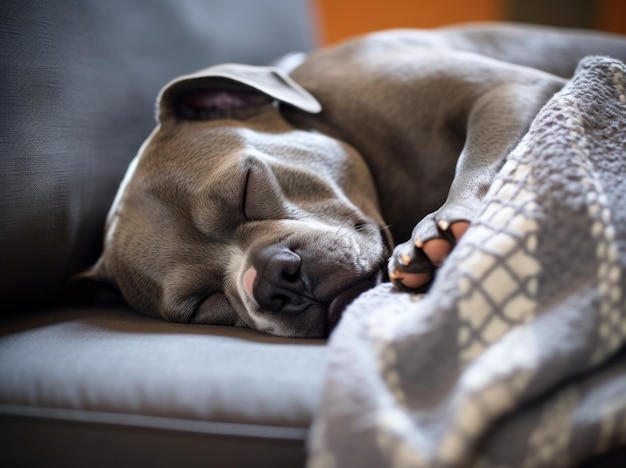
x=497, y=121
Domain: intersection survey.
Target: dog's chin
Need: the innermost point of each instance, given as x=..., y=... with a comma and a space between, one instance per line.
x=339, y=304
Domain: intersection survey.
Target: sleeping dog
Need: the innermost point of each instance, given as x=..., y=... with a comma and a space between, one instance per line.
x=270, y=197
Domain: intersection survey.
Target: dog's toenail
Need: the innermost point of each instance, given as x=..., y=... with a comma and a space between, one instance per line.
x=406, y=259
x=395, y=275
x=443, y=225
x=419, y=243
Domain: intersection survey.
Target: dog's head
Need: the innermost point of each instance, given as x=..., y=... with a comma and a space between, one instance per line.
x=231, y=215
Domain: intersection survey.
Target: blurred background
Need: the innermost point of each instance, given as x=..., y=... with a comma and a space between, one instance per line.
x=339, y=19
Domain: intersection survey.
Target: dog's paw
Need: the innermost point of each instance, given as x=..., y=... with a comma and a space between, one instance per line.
x=413, y=264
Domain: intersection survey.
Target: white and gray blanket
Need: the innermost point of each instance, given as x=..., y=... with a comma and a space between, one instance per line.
x=516, y=355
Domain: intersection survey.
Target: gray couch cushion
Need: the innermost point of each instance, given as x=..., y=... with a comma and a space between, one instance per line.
x=98, y=373
x=77, y=88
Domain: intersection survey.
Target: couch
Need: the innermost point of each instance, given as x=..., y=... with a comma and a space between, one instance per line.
x=85, y=380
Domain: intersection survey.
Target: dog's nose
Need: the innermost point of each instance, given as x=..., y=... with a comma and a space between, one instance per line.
x=279, y=285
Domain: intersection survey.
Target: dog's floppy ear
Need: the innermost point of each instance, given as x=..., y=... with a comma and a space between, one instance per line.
x=231, y=90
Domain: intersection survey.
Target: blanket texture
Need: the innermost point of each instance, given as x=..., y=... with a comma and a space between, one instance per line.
x=515, y=357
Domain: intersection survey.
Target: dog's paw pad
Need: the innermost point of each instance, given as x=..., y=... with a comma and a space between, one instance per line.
x=410, y=280
x=409, y=268
x=437, y=250
x=413, y=264
x=459, y=228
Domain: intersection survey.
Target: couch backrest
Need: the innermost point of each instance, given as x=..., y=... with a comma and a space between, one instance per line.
x=78, y=81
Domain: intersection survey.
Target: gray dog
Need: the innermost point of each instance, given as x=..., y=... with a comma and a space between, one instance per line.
x=270, y=198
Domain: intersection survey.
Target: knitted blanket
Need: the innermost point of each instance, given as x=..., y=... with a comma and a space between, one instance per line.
x=515, y=357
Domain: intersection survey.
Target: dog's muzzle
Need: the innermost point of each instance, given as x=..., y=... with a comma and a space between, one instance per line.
x=278, y=282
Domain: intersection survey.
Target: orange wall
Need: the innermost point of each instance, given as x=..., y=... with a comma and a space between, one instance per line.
x=612, y=15
x=344, y=18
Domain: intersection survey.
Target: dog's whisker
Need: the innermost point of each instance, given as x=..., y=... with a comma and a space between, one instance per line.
x=343, y=223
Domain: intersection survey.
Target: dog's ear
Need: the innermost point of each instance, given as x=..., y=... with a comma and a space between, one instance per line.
x=231, y=90
x=93, y=286
x=97, y=272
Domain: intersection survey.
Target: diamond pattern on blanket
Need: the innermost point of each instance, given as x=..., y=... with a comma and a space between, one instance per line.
x=391, y=436
x=611, y=328
x=499, y=278
x=491, y=391
x=612, y=314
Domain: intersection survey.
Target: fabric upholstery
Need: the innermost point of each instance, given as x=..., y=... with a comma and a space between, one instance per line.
x=97, y=374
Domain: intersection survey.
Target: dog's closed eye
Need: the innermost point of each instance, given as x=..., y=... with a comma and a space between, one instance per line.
x=261, y=195
x=247, y=202
x=253, y=197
